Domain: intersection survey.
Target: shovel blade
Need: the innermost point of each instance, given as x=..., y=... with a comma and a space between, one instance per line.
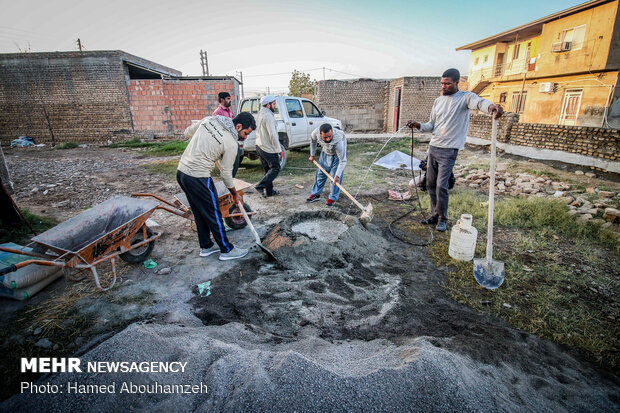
x=490, y=275
x=267, y=251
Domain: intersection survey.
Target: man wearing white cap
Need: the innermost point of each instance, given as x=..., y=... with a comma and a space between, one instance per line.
x=268, y=146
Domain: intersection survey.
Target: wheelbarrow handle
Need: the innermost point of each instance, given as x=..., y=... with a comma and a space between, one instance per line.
x=6, y=270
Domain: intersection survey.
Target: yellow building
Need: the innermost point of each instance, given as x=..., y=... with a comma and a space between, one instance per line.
x=560, y=69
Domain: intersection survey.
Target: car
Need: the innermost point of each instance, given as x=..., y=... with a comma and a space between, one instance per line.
x=295, y=124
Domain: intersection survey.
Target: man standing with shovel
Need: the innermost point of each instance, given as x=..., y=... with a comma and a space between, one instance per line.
x=449, y=123
x=333, y=160
x=213, y=139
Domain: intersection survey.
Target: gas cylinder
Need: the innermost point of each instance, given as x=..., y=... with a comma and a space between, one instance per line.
x=463, y=239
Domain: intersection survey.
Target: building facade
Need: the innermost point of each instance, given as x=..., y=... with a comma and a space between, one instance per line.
x=98, y=96
x=561, y=69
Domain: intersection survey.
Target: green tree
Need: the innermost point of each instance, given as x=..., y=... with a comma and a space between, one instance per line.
x=300, y=83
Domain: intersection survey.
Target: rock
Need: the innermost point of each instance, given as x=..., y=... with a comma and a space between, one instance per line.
x=590, y=174
x=47, y=191
x=598, y=221
x=556, y=194
x=611, y=214
x=591, y=190
x=573, y=212
x=79, y=341
x=505, y=305
x=585, y=210
x=473, y=185
x=585, y=217
x=34, y=190
x=56, y=347
x=38, y=330
x=166, y=270
x=578, y=172
x=606, y=225
x=605, y=194
x=44, y=343
x=61, y=203
x=67, y=322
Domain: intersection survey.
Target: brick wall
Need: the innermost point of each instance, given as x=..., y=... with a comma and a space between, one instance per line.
x=417, y=96
x=167, y=107
x=83, y=96
x=589, y=141
x=359, y=103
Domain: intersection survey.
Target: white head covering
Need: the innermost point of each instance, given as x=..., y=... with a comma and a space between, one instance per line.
x=267, y=99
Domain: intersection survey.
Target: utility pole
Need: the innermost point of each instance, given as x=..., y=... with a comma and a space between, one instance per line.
x=79, y=43
x=204, y=63
x=241, y=76
x=323, y=72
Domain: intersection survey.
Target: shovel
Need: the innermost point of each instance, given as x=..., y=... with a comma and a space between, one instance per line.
x=488, y=272
x=366, y=211
x=256, y=237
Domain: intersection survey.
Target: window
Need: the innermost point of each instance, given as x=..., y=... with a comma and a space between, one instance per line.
x=246, y=106
x=517, y=102
x=311, y=110
x=515, y=51
x=476, y=61
x=486, y=58
x=570, y=107
x=573, y=36
x=294, y=108
x=255, y=105
x=502, y=97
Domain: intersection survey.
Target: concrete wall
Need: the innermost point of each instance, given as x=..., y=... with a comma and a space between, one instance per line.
x=167, y=107
x=358, y=103
x=80, y=98
x=588, y=141
x=417, y=97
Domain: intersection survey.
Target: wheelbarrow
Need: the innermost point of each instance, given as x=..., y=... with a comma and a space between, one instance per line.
x=114, y=228
x=233, y=217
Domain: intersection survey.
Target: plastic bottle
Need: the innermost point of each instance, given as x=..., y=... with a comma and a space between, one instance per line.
x=463, y=239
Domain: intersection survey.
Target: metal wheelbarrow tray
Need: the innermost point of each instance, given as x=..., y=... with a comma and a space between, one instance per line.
x=114, y=228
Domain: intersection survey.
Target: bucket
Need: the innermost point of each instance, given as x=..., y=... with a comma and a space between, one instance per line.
x=463, y=239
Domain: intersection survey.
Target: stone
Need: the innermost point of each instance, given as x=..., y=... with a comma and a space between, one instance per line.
x=56, y=347
x=598, y=221
x=590, y=174
x=556, y=194
x=611, y=214
x=605, y=194
x=578, y=172
x=573, y=212
x=44, y=343
x=164, y=271
x=590, y=190
x=585, y=217
x=606, y=225
x=505, y=305
x=38, y=330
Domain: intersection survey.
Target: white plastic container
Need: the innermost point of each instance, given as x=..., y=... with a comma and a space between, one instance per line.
x=463, y=239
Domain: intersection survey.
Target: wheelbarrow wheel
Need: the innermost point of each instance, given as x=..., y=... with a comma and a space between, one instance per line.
x=138, y=255
x=237, y=222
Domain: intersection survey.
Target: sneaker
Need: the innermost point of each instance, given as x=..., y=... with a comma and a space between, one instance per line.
x=430, y=220
x=205, y=252
x=330, y=202
x=274, y=192
x=261, y=192
x=313, y=198
x=233, y=254
x=441, y=226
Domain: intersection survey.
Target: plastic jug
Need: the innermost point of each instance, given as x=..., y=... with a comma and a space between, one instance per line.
x=463, y=239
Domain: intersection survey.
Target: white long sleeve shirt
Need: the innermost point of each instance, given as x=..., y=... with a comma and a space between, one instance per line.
x=211, y=141
x=449, y=120
x=267, y=132
x=337, y=147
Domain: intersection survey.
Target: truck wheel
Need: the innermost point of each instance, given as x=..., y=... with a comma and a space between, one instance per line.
x=139, y=254
x=237, y=222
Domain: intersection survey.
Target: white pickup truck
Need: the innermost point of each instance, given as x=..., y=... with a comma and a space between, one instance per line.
x=296, y=118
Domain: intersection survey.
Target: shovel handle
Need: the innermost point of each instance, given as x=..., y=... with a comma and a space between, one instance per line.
x=491, y=193
x=360, y=206
x=247, y=220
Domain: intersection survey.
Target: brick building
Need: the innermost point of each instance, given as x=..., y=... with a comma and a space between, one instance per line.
x=98, y=96
x=378, y=105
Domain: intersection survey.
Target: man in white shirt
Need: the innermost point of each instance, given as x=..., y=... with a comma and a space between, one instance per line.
x=213, y=139
x=448, y=123
x=268, y=145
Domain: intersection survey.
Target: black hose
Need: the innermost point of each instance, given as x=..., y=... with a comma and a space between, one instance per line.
x=417, y=195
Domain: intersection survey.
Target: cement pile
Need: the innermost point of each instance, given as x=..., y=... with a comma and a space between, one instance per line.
x=359, y=323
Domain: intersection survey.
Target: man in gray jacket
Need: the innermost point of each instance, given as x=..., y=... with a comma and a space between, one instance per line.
x=449, y=123
x=333, y=159
x=268, y=146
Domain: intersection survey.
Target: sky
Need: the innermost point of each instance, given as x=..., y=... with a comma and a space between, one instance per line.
x=266, y=40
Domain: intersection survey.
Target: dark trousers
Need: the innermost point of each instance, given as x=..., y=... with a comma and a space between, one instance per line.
x=439, y=167
x=271, y=166
x=203, y=200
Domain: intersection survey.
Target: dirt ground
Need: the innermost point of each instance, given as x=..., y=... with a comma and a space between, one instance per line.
x=351, y=320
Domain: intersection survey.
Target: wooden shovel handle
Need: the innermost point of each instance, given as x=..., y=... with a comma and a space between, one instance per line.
x=247, y=220
x=340, y=186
